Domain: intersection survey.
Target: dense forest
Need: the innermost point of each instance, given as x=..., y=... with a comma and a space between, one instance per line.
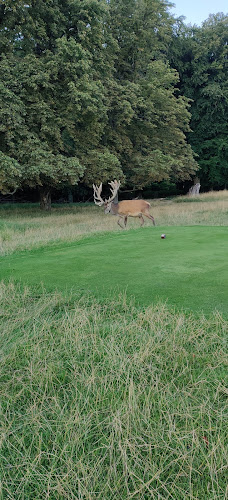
x=92, y=90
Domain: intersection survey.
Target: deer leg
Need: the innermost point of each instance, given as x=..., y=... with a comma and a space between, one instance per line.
x=118, y=222
x=125, y=220
x=151, y=218
x=142, y=220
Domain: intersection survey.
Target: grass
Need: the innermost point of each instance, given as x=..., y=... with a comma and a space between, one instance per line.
x=188, y=268
x=114, y=396
x=204, y=197
x=107, y=401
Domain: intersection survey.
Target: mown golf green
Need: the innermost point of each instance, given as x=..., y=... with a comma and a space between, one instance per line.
x=188, y=269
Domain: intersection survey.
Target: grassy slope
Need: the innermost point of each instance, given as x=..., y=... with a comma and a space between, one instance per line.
x=188, y=268
x=109, y=401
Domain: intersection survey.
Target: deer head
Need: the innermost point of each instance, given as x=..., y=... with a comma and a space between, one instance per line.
x=115, y=185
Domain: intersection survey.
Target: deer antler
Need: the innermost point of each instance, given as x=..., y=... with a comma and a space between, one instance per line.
x=115, y=185
x=97, y=195
x=97, y=192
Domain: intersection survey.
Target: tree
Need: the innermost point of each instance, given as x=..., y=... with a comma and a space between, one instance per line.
x=147, y=120
x=202, y=62
x=54, y=68
x=30, y=132
x=88, y=94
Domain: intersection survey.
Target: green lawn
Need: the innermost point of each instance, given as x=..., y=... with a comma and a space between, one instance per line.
x=188, y=269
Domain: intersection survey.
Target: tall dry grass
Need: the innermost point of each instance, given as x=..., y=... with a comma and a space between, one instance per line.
x=103, y=401
x=26, y=227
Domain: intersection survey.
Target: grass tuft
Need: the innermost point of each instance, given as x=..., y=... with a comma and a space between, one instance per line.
x=107, y=401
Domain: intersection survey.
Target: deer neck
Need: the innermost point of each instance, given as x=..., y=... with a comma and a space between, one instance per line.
x=114, y=208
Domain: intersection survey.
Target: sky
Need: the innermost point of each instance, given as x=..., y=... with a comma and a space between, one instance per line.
x=197, y=11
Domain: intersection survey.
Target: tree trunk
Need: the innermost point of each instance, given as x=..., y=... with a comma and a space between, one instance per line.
x=70, y=196
x=45, y=198
x=194, y=190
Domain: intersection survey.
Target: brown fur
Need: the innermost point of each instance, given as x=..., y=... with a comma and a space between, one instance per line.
x=130, y=208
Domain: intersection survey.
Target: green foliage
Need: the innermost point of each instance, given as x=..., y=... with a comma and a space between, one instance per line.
x=31, y=129
x=53, y=89
x=147, y=121
x=87, y=88
x=10, y=174
x=200, y=55
x=101, y=165
x=143, y=29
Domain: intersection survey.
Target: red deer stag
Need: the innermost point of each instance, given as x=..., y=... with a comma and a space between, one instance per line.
x=125, y=208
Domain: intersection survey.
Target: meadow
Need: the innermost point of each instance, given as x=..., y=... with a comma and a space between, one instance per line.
x=109, y=391
x=24, y=226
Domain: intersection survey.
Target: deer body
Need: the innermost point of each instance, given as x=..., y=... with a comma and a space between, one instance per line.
x=125, y=208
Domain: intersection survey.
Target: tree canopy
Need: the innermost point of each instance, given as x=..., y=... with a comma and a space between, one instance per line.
x=201, y=58
x=93, y=90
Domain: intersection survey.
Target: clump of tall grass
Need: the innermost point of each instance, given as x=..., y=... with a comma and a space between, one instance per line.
x=101, y=400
